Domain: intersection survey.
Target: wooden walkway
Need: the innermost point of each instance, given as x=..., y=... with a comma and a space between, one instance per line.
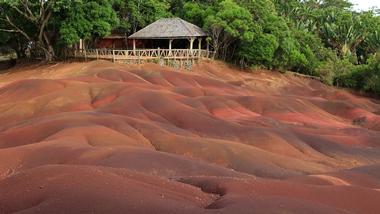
x=177, y=58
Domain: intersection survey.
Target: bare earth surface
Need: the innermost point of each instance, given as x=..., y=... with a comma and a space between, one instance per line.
x=105, y=138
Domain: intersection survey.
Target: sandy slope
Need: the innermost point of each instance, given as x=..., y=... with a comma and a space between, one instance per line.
x=106, y=138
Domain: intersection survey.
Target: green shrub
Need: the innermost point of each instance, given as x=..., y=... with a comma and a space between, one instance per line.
x=260, y=51
x=336, y=72
x=371, y=76
x=364, y=77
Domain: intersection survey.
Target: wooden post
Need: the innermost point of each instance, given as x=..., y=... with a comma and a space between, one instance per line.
x=138, y=57
x=113, y=55
x=85, y=51
x=97, y=54
x=134, y=47
x=80, y=44
x=191, y=45
x=170, y=46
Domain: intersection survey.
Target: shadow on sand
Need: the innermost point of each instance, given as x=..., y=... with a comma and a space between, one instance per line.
x=4, y=65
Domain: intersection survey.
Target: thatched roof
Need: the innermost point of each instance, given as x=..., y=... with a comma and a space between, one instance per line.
x=169, y=28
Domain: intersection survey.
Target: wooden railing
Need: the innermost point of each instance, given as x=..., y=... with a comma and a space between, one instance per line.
x=143, y=54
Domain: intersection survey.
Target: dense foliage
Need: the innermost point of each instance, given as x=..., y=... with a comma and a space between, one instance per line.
x=325, y=38
x=46, y=26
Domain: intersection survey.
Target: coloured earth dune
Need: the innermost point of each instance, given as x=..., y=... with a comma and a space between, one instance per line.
x=99, y=137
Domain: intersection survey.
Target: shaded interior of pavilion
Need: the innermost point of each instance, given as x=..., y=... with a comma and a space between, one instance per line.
x=169, y=44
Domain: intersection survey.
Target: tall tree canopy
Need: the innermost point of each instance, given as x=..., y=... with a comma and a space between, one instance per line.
x=136, y=14
x=225, y=21
x=47, y=23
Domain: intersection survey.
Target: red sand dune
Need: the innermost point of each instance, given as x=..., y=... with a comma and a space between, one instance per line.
x=105, y=138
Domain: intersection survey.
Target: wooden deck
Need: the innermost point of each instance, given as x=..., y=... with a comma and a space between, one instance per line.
x=178, y=58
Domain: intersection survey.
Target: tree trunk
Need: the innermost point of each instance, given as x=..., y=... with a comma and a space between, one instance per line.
x=40, y=20
x=47, y=48
x=49, y=54
x=216, y=49
x=47, y=51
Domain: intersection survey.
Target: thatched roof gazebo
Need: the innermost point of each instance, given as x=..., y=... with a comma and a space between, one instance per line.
x=155, y=43
x=170, y=29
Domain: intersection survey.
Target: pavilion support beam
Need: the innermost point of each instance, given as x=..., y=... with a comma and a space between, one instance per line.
x=191, y=45
x=170, y=46
x=134, y=47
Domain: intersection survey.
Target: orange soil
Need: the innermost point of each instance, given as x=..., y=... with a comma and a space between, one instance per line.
x=105, y=138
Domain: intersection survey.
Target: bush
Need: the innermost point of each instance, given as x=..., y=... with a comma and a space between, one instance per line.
x=371, y=75
x=260, y=51
x=326, y=72
x=361, y=77
x=336, y=72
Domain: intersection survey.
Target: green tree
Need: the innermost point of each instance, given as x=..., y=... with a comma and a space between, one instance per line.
x=136, y=14
x=225, y=21
x=84, y=20
x=371, y=44
x=44, y=23
x=343, y=31
x=265, y=46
